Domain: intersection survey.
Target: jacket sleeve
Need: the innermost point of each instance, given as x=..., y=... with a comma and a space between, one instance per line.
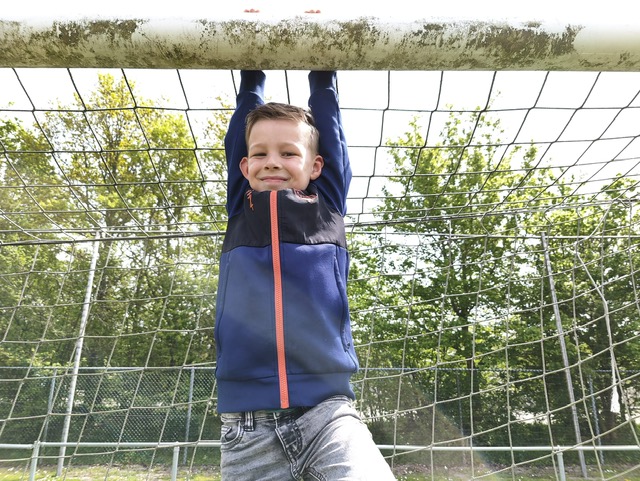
x=250, y=95
x=334, y=181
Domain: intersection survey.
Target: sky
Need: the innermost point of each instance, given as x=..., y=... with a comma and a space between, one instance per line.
x=564, y=112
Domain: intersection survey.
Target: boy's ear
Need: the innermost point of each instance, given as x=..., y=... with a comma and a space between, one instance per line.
x=316, y=169
x=244, y=167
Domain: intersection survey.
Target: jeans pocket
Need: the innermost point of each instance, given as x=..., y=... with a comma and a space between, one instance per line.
x=231, y=434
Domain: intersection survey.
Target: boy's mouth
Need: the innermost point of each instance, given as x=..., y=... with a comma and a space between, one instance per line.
x=274, y=179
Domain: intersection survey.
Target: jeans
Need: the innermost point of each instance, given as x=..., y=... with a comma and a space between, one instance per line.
x=328, y=442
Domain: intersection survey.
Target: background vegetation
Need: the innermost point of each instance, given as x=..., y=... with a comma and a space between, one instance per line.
x=455, y=320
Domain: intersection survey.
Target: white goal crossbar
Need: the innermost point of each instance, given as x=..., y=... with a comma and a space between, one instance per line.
x=321, y=34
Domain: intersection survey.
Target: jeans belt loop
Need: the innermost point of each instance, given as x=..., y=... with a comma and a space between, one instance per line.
x=248, y=421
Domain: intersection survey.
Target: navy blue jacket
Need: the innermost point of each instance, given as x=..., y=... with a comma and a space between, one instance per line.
x=283, y=333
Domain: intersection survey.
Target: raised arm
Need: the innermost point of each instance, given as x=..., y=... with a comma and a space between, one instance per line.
x=336, y=173
x=250, y=95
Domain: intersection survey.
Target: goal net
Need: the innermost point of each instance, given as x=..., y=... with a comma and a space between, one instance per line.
x=493, y=225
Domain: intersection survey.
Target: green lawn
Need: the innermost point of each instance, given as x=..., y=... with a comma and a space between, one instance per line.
x=404, y=473
x=115, y=473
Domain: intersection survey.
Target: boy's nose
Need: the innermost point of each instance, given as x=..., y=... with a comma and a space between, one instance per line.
x=273, y=161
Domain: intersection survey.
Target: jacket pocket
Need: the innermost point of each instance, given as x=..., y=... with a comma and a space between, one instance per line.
x=317, y=334
x=245, y=326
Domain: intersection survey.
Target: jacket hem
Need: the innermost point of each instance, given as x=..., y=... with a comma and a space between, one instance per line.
x=305, y=390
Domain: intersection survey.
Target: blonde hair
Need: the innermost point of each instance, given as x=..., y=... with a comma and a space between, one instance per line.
x=279, y=111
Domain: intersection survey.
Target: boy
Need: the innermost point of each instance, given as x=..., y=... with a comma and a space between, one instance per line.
x=285, y=353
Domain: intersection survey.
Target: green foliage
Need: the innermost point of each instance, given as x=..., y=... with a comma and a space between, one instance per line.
x=457, y=262
x=450, y=292
x=126, y=171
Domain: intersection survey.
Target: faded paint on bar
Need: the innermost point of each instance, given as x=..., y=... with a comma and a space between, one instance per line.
x=236, y=36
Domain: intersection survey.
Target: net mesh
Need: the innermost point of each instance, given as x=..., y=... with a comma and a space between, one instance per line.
x=493, y=227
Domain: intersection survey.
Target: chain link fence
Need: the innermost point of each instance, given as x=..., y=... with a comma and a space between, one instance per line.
x=109, y=405
x=178, y=404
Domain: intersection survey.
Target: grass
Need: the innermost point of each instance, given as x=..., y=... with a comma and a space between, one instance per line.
x=212, y=473
x=113, y=473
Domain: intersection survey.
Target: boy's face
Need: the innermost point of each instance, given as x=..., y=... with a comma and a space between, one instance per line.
x=280, y=157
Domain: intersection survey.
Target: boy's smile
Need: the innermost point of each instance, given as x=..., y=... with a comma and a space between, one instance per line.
x=279, y=156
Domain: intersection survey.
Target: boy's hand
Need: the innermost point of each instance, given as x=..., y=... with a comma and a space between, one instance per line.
x=322, y=79
x=252, y=81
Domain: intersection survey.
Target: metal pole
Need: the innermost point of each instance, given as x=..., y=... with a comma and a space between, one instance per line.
x=78, y=351
x=353, y=35
x=174, y=462
x=34, y=461
x=52, y=390
x=560, y=458
x=563, y=348
x=189, y=409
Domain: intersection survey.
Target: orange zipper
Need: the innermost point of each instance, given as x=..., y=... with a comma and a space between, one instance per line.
x=279, y=311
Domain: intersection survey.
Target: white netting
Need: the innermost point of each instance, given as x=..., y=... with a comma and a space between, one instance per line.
x=493, y=225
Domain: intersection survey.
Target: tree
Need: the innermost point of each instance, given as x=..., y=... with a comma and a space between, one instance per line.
x=129, y=171
x=458, y=258
x=592, y=258
x=33, y=199
x=464, y=203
